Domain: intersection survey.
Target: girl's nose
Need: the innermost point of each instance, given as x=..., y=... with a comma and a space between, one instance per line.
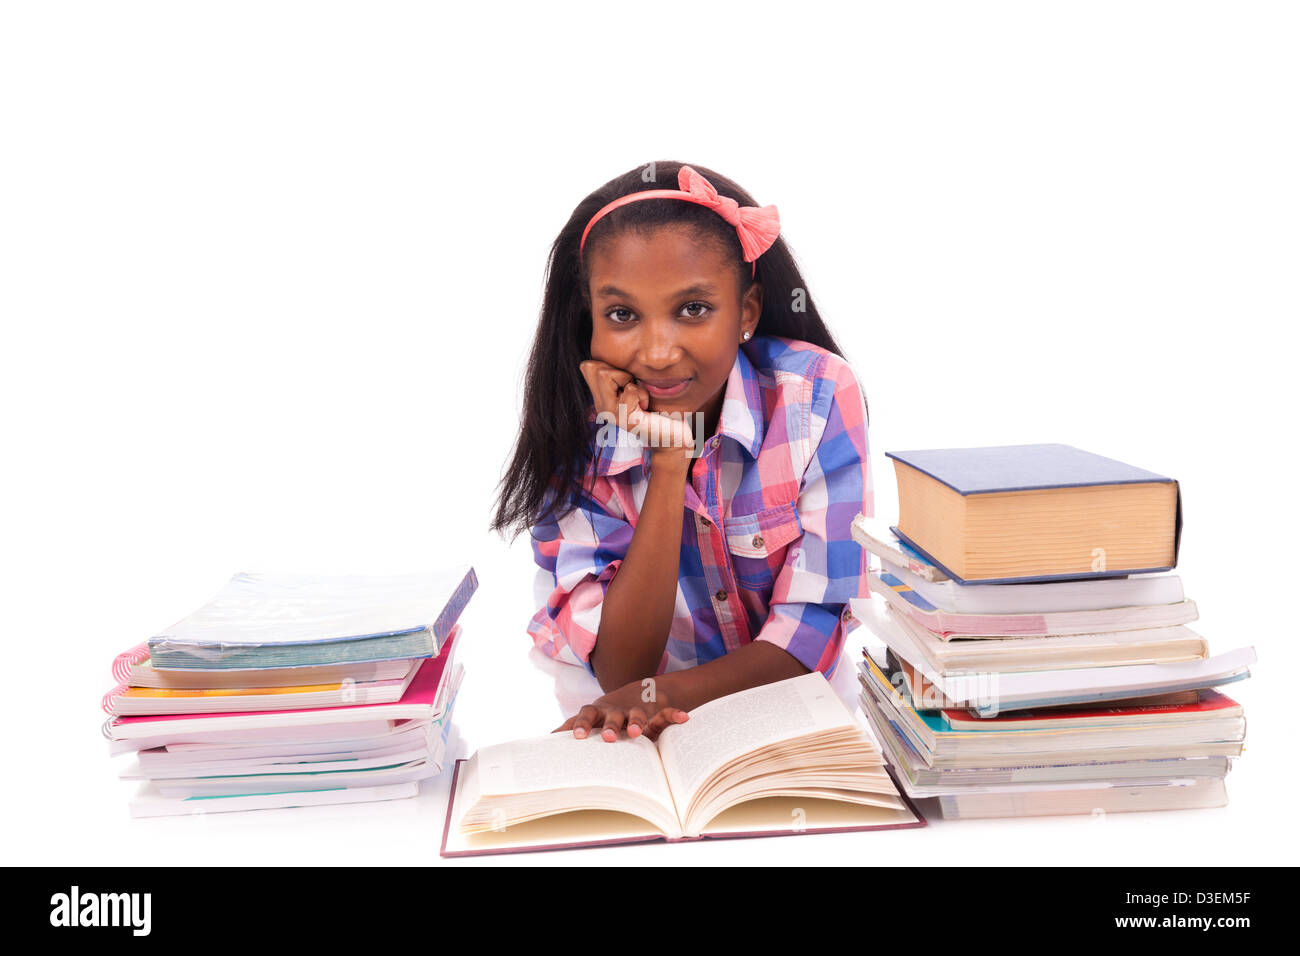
x=659, y=348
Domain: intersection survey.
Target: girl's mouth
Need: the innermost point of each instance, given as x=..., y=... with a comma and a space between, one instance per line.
x=665, y=387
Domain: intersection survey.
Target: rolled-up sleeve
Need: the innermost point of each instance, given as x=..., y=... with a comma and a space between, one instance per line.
x=582, y=550
x=825, y=567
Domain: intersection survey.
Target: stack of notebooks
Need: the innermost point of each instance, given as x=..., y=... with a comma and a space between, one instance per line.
x=292, y=690
x=1033, y=654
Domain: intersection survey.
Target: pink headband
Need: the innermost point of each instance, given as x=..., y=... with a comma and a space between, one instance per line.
x=756, y=226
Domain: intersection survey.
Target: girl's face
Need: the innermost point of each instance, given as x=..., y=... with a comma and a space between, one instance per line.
x=668, y=309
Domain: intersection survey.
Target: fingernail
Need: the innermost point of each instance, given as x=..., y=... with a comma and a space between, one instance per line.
x=579, y=733
x=609, y=735
x=633, y=730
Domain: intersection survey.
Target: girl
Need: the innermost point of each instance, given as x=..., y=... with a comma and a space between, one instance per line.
x=693, y=450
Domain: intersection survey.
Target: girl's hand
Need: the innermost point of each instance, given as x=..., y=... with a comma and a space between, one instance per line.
x=615, y=392
x=625, y=708
x=618, y=394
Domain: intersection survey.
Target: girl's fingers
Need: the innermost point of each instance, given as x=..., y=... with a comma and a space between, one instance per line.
x=636, y=721
x=612, y=382
x=660, y=430
x=615, y=718
x=588, y=369
x=663, y=720
x=582, y=721
x=635, y=396
x=605, y=382
x=611, y=721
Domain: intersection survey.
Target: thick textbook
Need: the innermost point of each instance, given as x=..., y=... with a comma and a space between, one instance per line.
x=1035, y=512
x=294, y=620
x=779, y=759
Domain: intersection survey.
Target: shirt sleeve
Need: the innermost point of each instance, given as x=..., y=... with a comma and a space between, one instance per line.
x=825, y=567
x=582, y=550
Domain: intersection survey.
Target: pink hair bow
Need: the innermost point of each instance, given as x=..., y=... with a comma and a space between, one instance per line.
x=756, y=226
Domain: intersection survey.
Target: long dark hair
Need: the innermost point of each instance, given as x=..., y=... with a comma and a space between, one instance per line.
x=554, y=445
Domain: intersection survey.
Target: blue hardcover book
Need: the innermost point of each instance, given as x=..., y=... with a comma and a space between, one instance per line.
x=1050, y=512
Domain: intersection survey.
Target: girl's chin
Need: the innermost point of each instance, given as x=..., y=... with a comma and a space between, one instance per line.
x=672, y=406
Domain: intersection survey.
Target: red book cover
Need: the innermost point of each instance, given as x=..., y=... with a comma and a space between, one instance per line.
x=1210, y=703
x=423, y=691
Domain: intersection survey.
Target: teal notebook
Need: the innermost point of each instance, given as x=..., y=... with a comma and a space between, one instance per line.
x=294, y=620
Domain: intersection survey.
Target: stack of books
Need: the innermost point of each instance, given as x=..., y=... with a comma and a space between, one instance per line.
x=1033, y=655
x=292, y=690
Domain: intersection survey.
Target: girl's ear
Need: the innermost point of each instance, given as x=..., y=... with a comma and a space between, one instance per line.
x=751, y=308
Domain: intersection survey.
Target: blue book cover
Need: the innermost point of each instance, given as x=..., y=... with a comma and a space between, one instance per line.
x=298, y=620
x=1003, y=468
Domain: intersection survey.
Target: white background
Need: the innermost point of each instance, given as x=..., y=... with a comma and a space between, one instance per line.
x=269, y=273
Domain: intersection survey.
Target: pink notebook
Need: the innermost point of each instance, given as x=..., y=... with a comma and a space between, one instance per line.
x=421, y=701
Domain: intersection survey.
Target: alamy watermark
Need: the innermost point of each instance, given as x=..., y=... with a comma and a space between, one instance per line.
x=657, y=430
x=981, y=692
x=76, y=908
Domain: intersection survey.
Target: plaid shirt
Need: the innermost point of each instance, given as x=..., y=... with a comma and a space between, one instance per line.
x=766, y=552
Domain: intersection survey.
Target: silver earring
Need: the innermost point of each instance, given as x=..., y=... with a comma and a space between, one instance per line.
x=747, y=334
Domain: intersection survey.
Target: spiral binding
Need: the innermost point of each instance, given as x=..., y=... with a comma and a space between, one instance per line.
x=107, y=702
x=123, y=663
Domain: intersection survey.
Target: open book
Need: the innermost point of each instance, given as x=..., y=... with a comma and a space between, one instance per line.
x=781, y=758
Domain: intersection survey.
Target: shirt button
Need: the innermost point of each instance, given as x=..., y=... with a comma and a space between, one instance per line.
x=758, y=541
x=714, y=442
x=848, y=614
x=705, y=522
x=721, y=595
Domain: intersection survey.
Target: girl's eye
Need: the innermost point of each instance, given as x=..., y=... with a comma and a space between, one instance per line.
x=619, y=316
x=696, y=310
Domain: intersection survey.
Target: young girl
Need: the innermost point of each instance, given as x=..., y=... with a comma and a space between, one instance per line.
x=692, y=453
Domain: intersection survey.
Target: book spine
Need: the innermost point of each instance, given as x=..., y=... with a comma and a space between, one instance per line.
x=452, y=612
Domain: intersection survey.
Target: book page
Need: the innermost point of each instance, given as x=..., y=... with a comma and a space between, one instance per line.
x=562, y=762
x=737, y=724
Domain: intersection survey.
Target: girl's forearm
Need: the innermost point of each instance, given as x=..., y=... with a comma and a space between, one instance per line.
x=638, y=608
x=756, y=663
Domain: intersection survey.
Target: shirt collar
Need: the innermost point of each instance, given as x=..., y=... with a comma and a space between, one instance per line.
x=743, y=407
x=742, y=420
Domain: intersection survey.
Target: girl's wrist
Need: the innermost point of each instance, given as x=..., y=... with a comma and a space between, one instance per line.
x=672, y=461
